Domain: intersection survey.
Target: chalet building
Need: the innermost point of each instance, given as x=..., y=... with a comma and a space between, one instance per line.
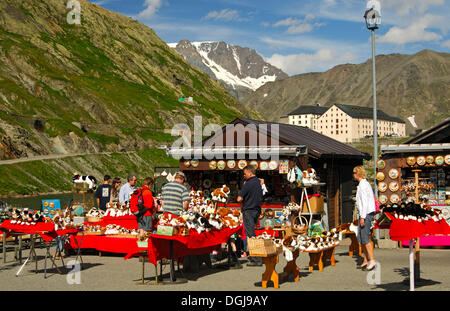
x=346, y=123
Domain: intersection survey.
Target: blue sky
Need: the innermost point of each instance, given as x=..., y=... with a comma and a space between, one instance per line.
x=297, y=36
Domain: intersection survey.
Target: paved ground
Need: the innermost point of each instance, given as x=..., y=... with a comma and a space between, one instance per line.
x=113, y=273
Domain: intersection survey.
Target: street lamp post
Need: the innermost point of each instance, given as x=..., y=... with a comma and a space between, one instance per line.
x=373, y=20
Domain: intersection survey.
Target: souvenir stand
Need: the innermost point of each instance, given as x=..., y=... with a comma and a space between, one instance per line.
x=416, y=173
x=276, y=152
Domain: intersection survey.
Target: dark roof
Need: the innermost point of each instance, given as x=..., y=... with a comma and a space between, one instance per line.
x=308, y=110
x=318, y=145
x=359, y=112
x=437, y=134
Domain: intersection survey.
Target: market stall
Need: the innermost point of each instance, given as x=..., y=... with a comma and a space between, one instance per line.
x=418, y=170
x=275, y=150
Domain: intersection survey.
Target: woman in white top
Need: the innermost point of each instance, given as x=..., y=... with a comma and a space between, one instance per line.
x=365, y=201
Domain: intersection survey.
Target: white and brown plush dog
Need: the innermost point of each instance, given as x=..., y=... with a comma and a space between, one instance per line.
x=90, y=180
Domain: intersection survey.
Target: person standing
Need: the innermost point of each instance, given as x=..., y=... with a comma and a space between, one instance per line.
x=103, y=193
x=115, y=189
x=175, y=196
x=144, y=217
x=127, y=189
x=251, y=196
x=365, y=201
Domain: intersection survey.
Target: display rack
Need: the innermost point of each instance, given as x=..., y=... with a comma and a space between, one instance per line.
x=304, y=193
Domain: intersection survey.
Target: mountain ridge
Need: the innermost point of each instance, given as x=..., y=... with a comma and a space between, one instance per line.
x=406, y=84
x=240, y=69
x=108, y=84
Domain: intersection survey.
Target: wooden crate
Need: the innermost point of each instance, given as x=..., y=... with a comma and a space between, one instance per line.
x=316, y=204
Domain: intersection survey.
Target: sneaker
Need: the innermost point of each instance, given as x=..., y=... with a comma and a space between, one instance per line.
x=244, y=255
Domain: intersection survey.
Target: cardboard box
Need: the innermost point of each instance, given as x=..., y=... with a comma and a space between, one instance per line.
x=79, y=220
x=166, y=230
x=315, y=202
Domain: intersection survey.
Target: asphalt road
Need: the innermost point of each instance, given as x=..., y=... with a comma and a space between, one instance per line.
x=111, y=272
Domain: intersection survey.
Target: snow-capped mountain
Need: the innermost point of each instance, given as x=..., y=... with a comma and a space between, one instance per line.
x=241, y=70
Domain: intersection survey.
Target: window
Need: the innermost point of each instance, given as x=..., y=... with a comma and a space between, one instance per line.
x=331, y=132
x=337, y=120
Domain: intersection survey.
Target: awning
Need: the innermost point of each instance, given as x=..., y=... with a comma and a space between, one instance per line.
x=263, y=152
x=414, y=148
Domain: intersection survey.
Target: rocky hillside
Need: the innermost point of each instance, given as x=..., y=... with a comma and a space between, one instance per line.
x=406, y=85
x=241, y=70
x=107, y=84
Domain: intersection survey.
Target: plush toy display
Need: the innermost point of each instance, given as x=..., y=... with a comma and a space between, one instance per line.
x=202, y=214
x=310, y=177
x=220, y=194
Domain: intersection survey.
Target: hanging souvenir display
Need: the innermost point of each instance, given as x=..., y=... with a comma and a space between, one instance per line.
x=231, y=164
x=411, y=160
x=381, y=164
x=430, y=159
x=447, y=159
x=383, y=199
x=264, y=166
x=242, y=164
x=421, y=160
x=380, y=176
x=273, y=165
x=382, y=186
x=439, y=160
x=195, y=162
x=393, y=173
x=254, y=163
x=394, y=186
x=395, y=198
x=213, y=165
x=221, y=165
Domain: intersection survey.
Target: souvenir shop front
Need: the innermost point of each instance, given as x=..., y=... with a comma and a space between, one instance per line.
x=418, y=170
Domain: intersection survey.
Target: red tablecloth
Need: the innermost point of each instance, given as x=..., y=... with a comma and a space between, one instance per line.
x=401, y=230
x=274, y=233
x=105, y=243
x=193, y=244
x=45, y=230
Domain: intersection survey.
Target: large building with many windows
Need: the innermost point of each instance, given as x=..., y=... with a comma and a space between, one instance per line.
x=346, y=123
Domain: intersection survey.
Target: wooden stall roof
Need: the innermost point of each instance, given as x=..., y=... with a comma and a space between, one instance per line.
x=437, y=134
x=318, y=145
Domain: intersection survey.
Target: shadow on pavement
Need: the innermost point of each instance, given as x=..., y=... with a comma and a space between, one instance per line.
x=404, y=285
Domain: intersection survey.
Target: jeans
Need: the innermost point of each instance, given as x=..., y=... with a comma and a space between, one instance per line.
x=364, y=233
x=250, y=218
x=59, y=244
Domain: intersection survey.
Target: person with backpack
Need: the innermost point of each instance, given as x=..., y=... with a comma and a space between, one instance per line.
x=365, y=201
x=142, y=205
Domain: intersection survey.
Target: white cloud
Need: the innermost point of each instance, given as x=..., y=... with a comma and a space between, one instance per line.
x=298, y=26
x=225, y=15
x=406, y=7
x=151, y=7
x=415, y=32
x=446, y=44
x=321, y=60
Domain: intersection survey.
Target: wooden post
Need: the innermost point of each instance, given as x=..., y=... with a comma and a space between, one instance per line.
x=4, y=246
x=417, y=246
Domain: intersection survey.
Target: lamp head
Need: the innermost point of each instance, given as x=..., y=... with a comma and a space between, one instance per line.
x=373, y=14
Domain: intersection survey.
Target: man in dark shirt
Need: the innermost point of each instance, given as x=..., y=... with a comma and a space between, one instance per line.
x=103, y=193
x=251, y=197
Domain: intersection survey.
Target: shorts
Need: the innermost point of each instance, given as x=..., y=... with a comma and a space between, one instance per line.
x=364, y=233
x=145, y=223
